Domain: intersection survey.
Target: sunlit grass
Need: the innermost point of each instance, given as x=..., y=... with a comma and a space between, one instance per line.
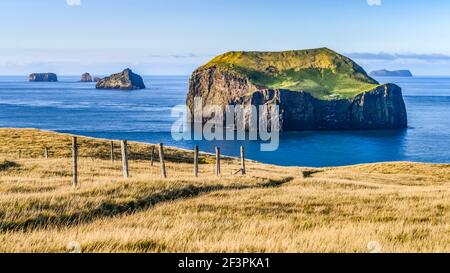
x=321, y=72
x=403, y=206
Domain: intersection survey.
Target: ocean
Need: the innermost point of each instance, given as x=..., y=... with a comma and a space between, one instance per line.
x=69, y=106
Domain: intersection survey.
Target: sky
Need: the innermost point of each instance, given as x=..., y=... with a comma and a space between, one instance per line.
x=173, y=37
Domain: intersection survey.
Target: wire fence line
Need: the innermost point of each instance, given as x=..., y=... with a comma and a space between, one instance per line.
x=113, y=150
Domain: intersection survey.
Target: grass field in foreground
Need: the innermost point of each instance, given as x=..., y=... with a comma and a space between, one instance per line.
x=403, y=206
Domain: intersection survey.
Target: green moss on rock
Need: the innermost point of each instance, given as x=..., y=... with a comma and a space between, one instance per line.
x=321, y=72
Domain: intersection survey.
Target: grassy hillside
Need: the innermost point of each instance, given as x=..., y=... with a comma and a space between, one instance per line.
x=322, y=72
x=403, y=206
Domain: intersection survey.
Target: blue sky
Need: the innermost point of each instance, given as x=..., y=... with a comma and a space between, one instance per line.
x=175, y=36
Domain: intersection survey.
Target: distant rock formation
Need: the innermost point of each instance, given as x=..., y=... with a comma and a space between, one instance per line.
x=86, y=77
x=97, y=79
x=43, y=77
x=387, y=73
x=126, y=80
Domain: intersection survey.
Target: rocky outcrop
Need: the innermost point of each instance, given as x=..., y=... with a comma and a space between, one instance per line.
x=380, y=108
x=86, y=77
x=43, y=77
x=387, y=73
x=217, y=86
x=126, y=80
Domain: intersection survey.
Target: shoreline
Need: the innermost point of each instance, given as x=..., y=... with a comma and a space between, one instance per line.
x=222, y=156
x=130, y=142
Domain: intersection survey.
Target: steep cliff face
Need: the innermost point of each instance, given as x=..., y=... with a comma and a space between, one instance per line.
x=217, y=86
x=343, y=99
x=381, y=108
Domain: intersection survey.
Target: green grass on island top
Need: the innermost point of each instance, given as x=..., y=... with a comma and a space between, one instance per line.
x=321, y=72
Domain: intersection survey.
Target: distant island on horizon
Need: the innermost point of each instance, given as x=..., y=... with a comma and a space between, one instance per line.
x=393, y=73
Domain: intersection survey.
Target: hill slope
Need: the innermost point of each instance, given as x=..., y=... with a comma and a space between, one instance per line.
x=322, y=72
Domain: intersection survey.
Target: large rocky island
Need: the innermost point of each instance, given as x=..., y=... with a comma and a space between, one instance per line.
x=316, y=89
x=126, y=80
x=43, y=77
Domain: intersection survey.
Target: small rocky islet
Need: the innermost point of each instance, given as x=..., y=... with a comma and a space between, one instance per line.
x=316, y=89
x=86, y=77
x=43, y=77
x=125, y=80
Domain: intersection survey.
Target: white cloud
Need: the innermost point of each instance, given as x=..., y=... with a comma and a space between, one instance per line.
x=413, y=57
x=374, y=2
x=73, y=2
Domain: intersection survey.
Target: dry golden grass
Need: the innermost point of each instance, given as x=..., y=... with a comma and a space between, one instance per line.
x=403, y=206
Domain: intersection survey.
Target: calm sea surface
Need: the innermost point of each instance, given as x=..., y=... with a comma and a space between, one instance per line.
x=69, y=106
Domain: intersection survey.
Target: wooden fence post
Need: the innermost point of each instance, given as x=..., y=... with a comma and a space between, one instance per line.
x=161, y=160
x=75, y=162
x=124, y=150
x=46, y=153
x=243, y=160
x=217, y=161
x=152, y=160
x=112, y=152
x=196, y=161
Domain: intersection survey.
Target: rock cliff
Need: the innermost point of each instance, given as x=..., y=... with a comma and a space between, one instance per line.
x=315, y=90
x=381, y=108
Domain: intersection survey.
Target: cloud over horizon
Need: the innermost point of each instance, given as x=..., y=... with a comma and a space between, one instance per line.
x=21, y=61
x=73, y=2
x=374, y=2
x=383, y=56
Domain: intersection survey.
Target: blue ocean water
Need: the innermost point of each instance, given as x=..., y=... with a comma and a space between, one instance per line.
x=70, y=106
